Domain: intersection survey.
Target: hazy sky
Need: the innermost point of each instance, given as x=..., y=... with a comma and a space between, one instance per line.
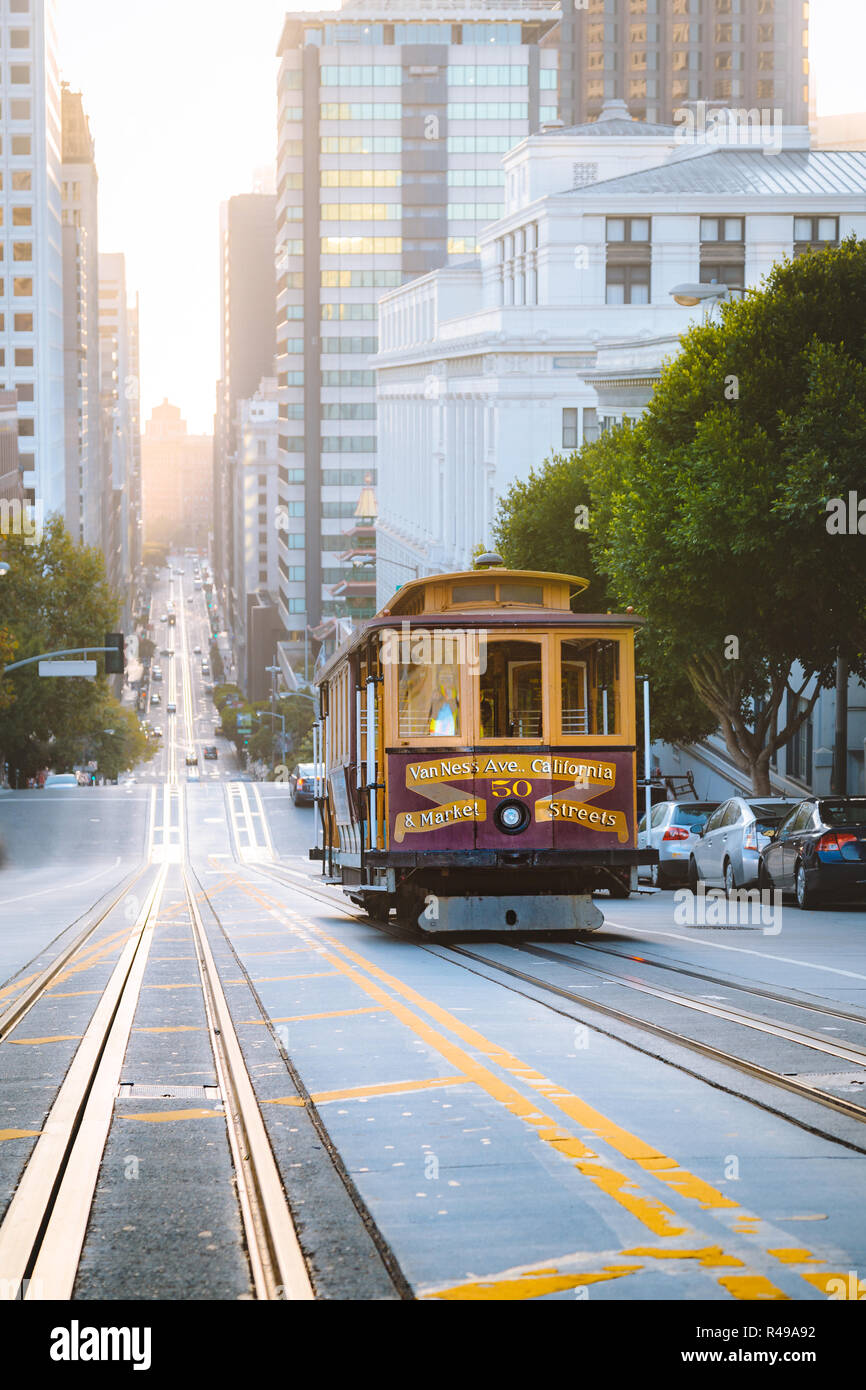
x=181, y=96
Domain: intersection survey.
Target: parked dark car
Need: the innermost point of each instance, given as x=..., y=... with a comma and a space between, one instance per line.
x=302, y=784
x=211, y=752
x=819, y=851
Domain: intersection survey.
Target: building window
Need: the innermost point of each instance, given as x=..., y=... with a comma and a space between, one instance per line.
x=569, y=427
x=799, y=761
x=23, y=323
x=628, y=229
x=815, y=232
x=722, y=229
x=22, y=217
x=23, y=357
x=20, y=107
x=21, y=145
x=19, y=38
x=22, y=287
x=722, y=273
x=22, y=250
x=628, y=284
x=26, y=391
x=19, y=74
x=26, y=428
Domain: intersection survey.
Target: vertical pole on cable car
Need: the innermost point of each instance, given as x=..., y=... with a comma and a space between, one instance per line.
x=646, y=752
x=373, y=837
x=604, y=709
x=359, y=771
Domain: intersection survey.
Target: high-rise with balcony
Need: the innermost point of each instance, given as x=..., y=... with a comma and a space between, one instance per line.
x=31, y=273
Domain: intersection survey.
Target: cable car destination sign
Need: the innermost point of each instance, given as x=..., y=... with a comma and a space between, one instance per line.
x=527, y=777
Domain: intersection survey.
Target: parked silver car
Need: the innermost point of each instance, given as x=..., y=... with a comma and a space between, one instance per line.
x=675, y=828
x=728, y=852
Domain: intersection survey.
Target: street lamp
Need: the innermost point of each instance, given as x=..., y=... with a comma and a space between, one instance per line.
x=371, y=564
x=690, y=295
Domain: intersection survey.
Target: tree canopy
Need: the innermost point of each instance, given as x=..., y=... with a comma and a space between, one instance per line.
x=54, y=598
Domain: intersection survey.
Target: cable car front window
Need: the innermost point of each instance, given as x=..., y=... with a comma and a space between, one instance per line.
x=590, y=687
x=510, y=690
x=428, y=701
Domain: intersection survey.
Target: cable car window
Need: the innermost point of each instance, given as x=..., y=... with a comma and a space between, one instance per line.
x=521, y=593
x=590, y=687
x=473, y=593
x=428, y=701
x=511, y=691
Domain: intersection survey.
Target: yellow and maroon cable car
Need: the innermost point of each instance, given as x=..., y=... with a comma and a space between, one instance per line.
x=477, y=755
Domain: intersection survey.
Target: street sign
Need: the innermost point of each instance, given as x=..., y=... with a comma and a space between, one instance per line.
x=68, y=668
x=245, y=723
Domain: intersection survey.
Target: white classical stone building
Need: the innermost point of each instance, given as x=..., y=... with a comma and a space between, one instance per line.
x=560, y=327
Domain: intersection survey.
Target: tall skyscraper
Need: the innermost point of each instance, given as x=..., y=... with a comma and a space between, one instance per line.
x=176, y=469
x=133, y=391
x=662, y=55
x=392, y=122
x=248, y=290
x=391, y=131
x=84, y=464
x=118, y=391
x=31, y=277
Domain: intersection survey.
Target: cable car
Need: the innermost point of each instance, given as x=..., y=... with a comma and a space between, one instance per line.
x=476, y=755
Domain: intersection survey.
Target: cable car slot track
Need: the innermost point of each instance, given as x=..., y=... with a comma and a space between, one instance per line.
x=754, y=1070
x=45, y=1225
x=21, y=1003
x=401, y=1285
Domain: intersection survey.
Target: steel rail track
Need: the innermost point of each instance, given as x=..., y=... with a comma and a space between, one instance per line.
x=12, y=1015
x=42, y=1234
x=277, y=1263
x=754, y=1070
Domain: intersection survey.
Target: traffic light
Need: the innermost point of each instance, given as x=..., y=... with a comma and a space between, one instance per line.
x=115, y=657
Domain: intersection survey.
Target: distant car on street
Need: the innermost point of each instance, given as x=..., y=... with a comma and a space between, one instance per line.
x=819, y=852
x=302, y=784
x=163, y=617
x=192, y=758
x=197, y=650
x=156, y=673
x=171, y=707
x=155, y=698
x=675, y=828
x=157, y=731
x=732, y=839
x=60, y=781
x=211, y=752
x=166, y=651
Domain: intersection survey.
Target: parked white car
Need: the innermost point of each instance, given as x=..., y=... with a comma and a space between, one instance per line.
x=675, y=828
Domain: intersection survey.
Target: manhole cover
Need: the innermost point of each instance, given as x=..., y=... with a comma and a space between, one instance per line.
x=831, y=1080
x=132, y=1090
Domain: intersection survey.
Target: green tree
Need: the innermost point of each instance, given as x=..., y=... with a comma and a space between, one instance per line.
x=55, y=597
x=710, y=514
x=548, y=522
